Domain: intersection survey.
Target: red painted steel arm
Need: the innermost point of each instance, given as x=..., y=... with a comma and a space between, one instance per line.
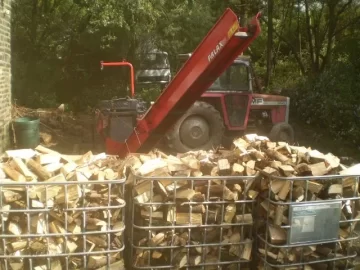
x=215, y=53
x=123, y=63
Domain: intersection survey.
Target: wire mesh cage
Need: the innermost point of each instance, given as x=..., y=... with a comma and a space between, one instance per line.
x=62, y=225
x=308, y=222
x=192, y=222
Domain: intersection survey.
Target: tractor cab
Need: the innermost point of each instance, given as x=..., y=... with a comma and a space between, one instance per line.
x=237, y=78
x=154, y=69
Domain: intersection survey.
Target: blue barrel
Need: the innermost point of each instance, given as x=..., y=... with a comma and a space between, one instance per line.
x=27, y=133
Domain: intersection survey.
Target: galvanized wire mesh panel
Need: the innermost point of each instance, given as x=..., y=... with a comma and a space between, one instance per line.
x=192, y=223
x=62, y=225
x=308, y=222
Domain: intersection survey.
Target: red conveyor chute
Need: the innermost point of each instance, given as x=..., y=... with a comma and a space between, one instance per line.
x=224, y=42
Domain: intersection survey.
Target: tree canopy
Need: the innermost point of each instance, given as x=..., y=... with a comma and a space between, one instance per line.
x=308, y=49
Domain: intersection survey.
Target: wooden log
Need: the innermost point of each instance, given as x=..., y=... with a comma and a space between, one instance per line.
x=287, y=170
x=230, y=212
x=335, y=189
x=157, y=239
x=186, y=218
x=194, y=260
x=45, y=150
x=180, y=260
x=237, y=169
x=276, y=185
x=279, y=215
x=20, y=166
x=99, y=261
x=283, y=193
x=271, y=171
x=234, y=249
x=68, y=193
x=198, y=208
x=298, y=194
x=17, y=245
x=246, y=218
x=53, y=167
x=250, y=168
x=276, y=155
x=277, y=235
x=38, y=169
x=152, y=165
x=13, y=174
x=312, y=186
x=48, y=159
x=246, y=253
x=157, y=215
x=68, y=168
x=10, y=196
x=191, y=162
x=303, y=169
x=21, y=153
x=252, y=194
x=318, y=169
x=224, y=167
x=143, y=186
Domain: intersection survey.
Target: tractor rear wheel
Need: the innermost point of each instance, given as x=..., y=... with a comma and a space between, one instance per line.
x=282, y=132
x=201, y=127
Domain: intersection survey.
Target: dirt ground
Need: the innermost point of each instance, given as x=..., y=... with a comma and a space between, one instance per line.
x=65, y=132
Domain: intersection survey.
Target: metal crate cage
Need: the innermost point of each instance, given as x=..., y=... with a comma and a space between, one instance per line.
x=62, y=225
x=308, y=222
x=192, y=222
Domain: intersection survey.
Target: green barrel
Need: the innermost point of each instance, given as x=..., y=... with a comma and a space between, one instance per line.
x=27, y=133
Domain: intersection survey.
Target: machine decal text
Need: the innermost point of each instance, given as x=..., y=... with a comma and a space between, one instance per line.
x=215, y=51
x=257, y=101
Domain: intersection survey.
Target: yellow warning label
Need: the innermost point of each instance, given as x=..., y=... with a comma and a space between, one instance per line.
x=233, y=29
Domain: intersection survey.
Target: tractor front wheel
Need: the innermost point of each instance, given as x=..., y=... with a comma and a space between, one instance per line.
x=201, y=127
x=282, y=132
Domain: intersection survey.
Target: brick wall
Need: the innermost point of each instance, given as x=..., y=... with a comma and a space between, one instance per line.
x=5, y=74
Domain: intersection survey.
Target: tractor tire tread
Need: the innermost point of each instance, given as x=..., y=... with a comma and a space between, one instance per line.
x=172, y=137
x=277, y=128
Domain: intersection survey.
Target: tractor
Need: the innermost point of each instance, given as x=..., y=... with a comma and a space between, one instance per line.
x=229, y=108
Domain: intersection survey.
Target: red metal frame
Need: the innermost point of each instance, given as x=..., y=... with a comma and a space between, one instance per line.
x=215, y=53
x=123, y=63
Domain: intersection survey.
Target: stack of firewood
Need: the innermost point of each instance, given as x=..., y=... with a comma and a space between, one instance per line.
x=203, y=221
x=257, y=161
x=41, y=192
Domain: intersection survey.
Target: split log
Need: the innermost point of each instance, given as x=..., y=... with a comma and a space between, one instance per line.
x=38, y=169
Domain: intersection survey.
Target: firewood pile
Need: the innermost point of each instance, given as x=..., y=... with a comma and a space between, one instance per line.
x=323, y=230
x=188, y=219
x=55, y=208
x=197, y=208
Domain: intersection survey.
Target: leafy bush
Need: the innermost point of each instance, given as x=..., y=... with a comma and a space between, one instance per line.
x=332, y=101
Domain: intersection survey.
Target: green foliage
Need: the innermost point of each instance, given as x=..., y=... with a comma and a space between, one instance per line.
x=149, y=93
x=331, y=101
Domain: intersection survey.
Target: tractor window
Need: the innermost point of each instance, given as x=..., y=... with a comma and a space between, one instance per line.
x=239, y=77
x=154, y=61
x=220, y=83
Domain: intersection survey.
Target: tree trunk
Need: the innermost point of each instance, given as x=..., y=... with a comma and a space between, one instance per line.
x=269, y=63
x=242, y=13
